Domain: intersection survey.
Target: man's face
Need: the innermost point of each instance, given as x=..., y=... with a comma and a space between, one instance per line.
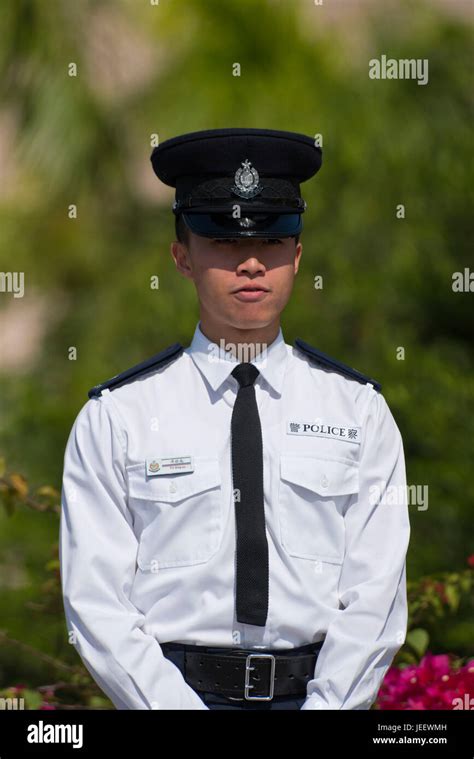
x=221, y=268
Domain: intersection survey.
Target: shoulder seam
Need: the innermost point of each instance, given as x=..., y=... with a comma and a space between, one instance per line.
x=116, y=419
x=162, y=358
x=335, y=365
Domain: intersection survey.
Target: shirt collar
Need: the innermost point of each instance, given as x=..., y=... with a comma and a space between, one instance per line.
x=216, y=364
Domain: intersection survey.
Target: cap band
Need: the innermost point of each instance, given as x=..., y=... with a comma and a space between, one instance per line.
x=255, y=225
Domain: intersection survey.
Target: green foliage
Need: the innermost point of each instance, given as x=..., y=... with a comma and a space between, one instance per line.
x=436, y=601
x=85, y=140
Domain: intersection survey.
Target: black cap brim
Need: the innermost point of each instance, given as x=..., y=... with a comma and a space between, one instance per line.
x=254, y=225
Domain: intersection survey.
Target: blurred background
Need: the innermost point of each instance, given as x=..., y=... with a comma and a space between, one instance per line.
x=162, y=68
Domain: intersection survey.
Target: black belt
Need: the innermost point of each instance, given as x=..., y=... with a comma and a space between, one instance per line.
x=247, y=674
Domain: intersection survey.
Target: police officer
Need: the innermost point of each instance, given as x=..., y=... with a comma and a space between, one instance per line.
x=234, y=520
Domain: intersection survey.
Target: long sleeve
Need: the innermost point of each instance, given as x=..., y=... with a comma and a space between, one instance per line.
x=365, y=635
x=98, y=550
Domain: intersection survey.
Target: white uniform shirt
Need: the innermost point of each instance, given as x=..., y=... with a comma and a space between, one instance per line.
x=148, y=559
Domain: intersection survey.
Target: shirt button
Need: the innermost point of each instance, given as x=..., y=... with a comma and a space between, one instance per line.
x=173, y=487
x=324, y=481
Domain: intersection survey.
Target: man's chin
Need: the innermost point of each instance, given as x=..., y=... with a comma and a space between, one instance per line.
x=251, y=323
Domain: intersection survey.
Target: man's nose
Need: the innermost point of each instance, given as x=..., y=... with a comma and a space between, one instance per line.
x=250, y=262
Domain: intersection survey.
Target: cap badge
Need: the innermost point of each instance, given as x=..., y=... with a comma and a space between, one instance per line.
x=246, y=222
x=246, y=181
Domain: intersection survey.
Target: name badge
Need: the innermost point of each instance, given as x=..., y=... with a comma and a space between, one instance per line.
x=335, y=431
x=172, y=465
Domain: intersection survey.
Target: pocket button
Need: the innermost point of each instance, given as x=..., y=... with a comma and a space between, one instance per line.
x=173, y=487
x=324, y=481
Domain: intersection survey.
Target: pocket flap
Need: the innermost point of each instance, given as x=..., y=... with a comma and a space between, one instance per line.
x=175, y=487
x=326, y=477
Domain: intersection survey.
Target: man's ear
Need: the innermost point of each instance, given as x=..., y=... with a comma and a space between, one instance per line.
x=182, y=258
x=298, y=252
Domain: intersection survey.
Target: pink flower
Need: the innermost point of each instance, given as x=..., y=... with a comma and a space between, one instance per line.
x=432, y=684
x=18, y=688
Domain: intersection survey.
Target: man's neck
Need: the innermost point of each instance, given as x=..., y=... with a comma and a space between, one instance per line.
x=231, y=338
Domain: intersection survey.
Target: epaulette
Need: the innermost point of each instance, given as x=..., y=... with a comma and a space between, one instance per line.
x=336, y=366
x=160, y=359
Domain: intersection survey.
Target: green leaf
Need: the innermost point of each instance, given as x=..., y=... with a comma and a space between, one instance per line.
x=452, y=594
x=47, y=491
x=407, y=657
x=32, y=698
x=418, y=639
x=98, y=702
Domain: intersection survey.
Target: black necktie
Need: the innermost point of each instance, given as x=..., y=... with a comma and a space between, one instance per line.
x=247, y=471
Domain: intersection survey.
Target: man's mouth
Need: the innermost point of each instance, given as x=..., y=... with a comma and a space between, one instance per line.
x=250, y=293
x=251, y=288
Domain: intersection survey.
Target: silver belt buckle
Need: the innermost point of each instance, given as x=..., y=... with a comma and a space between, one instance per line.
x=249, y=668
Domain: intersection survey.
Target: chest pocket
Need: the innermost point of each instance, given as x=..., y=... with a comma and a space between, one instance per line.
x=181, y=514
x=313, y=495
